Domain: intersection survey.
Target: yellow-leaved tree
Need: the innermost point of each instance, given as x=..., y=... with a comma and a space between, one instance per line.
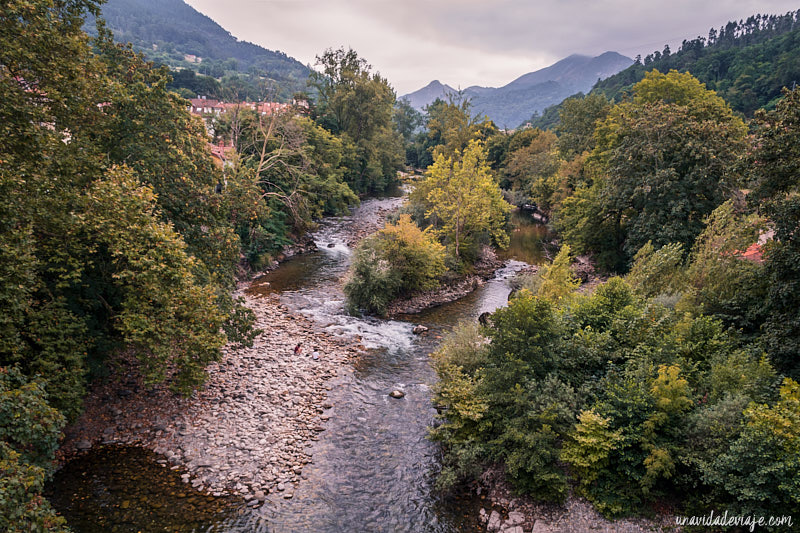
x=462, y=199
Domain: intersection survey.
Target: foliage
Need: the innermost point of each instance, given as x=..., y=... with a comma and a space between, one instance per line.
x=775, y=167
x=578, y=117
x=462, y=200
x=165, y=315
x=29, y=432
x=555, y=281
x=746, y=62
x=662, y=393
x=456, y=360
x=166, y=31
x=656, y=272
x=451, y=125
x=761, y=470
x=397, y=260
x=665, y=158
x=358, y=105
x=532, y=169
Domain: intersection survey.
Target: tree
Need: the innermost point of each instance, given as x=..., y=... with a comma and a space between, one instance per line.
x=775, y=167
x=397, y=260
x=531, y=170
x=451, y=125
x=578, y=117
x=462, y=199
x=663, y=164
x=358, y=105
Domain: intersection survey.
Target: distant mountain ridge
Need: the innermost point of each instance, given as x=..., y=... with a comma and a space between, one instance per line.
x=171, y=32
x=511, y=105
x=422, y=97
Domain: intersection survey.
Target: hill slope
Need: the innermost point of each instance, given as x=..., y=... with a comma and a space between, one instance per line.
x=167, y=31
x=747, y=63
x=511, y=105
x=422, y=97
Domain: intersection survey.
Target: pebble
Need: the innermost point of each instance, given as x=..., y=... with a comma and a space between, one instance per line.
x=250, y=424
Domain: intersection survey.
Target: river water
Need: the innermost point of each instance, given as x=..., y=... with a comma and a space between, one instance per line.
x=374, y=467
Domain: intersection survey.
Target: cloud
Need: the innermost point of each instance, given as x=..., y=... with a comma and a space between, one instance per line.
x=473, y=42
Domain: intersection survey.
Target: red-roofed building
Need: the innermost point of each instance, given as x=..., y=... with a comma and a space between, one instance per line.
x=222, y=153
x=204, y=106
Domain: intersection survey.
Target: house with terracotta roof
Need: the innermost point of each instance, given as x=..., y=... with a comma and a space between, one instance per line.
x=204, y=106
x=222, y=154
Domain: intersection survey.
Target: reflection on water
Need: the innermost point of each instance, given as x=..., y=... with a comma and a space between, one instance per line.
x=527, y=239
x=374, y=468
x=120, y=489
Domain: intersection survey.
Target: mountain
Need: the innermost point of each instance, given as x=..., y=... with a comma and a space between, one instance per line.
x=422, y=97
x=747, y=63
x=511, y=105
x=174, y=33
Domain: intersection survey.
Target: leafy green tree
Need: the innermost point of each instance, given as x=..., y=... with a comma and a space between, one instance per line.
x=451, y=125
x=775, y=167
x=29, y=433
x=664, y=160
x=723, y=283
x=578, y=117
x=554, y=282
x=656, y=272
x=397, y=260
x=358, y=105
x=532, y=169
x=761, y=470
x=462, y=199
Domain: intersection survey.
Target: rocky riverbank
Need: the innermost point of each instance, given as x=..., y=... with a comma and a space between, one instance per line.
x=450, y=291
x=509, y=513
x=246, y=432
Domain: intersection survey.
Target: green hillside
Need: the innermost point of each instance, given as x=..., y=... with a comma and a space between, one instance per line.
x=747, y=63
x=167, y=31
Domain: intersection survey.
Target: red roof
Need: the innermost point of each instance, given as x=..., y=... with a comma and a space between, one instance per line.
x=754, y=253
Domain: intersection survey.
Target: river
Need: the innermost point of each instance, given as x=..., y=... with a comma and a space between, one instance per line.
x=373, y=468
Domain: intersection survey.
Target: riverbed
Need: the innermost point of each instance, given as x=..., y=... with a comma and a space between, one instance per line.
x=372, y=468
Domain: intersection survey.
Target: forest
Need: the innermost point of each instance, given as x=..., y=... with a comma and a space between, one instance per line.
x=671, y=386
x=747, y=63
x=121, y=238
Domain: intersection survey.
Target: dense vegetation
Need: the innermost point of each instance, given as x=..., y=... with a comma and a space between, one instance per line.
x=120, y=237
x=458, y=202
x=747, y=63
x=676, y=383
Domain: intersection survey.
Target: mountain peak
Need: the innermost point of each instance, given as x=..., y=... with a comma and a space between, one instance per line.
x=422, y=97
x=509, y=106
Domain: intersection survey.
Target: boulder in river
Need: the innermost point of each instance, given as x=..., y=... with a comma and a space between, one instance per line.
x=397, y=394
x=419, y=328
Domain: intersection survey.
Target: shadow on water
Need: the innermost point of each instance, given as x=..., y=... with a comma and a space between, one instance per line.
x=120, y=489
x=527, y=239
x=374, y=468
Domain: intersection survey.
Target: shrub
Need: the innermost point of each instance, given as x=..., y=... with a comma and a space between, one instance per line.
x=760, y=472
x=397, y=260
x=29, y=431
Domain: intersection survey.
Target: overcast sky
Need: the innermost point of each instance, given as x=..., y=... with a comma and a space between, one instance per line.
x=473, y=42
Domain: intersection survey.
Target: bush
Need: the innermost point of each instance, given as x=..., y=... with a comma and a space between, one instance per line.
x=397, y=260
x=29, y=432
x=760, y=472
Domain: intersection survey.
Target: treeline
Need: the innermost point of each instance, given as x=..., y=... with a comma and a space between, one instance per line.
x=747, y=63
x=119, y=234
x=672, y=385
x=455, y=211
